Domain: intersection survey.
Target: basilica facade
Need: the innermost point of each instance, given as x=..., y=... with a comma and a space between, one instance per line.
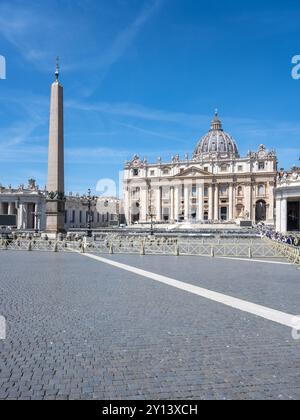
x=216, y=185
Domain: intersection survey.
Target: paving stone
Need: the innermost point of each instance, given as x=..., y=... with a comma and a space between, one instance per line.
x=78, y=329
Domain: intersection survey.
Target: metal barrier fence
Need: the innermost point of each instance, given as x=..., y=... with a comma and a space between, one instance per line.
x=292, y=253
x=141, y=246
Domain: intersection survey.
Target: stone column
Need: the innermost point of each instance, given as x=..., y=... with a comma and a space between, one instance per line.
x=144, y=203
x=230, y=192
x=216, y=212
x=172, y=212
x=11, y=209
x=210, y=203
x=248, y=200
x=37, y=217
x=158, y=204
x=19, y=217
x=176, y=202
x=271, y=202
x=278, y=215
x=186, y=202
x=200, y=198
x=283, y=216
x=127, y=204
x=23, y=215
x=35, y=224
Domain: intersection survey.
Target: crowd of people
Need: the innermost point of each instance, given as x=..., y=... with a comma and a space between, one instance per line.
x=270, y=233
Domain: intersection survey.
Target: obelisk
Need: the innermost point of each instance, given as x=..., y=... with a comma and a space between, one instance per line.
x=55, y=205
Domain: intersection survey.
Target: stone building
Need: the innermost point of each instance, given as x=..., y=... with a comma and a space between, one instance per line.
x=215, y=185
x=28, y=204
x=287, y=196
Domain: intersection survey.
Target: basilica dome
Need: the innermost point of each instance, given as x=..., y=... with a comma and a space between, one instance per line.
x=217, y=143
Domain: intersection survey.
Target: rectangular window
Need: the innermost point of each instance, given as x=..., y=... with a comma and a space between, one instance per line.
x=223, y=191
x=240, y=168
x=224, y=212
x=194, y=191
x=261, y=166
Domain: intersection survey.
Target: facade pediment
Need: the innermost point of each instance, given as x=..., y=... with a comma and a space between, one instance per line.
x=192, y=172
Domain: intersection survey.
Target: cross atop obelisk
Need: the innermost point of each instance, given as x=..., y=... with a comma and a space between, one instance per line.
x=57, y=69
x=55, y=201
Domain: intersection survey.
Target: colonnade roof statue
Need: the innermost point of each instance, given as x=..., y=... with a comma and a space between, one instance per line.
x=216, y=143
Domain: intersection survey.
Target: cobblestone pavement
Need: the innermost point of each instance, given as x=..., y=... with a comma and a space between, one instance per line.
x=79, y=329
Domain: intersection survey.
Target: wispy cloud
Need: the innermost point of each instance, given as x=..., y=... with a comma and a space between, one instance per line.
x=36, y=33
x=17, y=134
x=25, y=29
x=157, y=134
x=117, y=48
x=138, y=112
x=126, y=37
x=257, y=127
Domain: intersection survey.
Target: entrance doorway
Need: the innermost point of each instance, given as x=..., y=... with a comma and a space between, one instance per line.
x=135, y=212
x=261, y=211
x=293, y=216
x=224, y=213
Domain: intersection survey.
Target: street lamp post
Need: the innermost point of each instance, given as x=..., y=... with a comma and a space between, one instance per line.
x=152, y=224
x=88, y=203
x=89, y=225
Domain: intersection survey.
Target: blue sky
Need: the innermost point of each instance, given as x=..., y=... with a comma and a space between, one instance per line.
x=144, y=76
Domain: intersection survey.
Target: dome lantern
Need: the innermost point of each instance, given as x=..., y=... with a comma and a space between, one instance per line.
x=216, y=143
x=216, y=123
